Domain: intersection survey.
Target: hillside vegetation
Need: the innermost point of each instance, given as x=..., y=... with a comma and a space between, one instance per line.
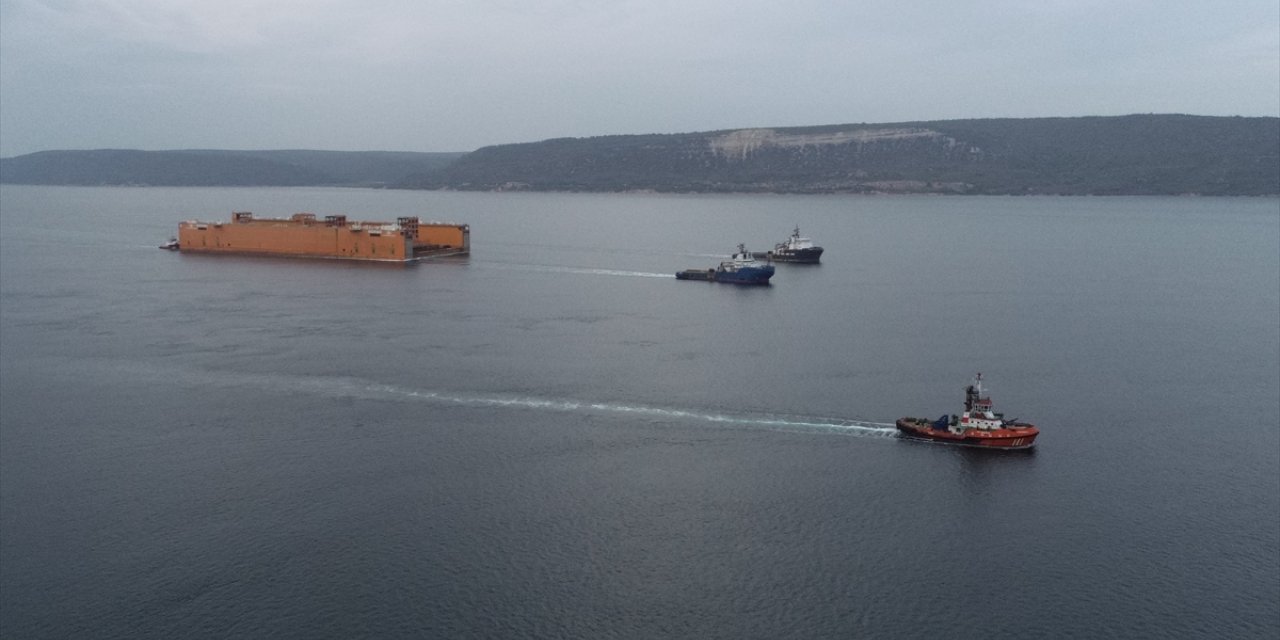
x=1141, y=154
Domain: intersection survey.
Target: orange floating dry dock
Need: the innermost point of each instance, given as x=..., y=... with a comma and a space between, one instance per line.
x=303, y=236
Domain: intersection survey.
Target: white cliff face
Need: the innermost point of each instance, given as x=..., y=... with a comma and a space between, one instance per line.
x=740, y=144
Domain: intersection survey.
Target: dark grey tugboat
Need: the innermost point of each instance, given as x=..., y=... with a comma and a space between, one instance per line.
x=797, y=248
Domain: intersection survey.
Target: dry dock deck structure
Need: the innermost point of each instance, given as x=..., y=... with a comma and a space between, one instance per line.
x=303, y=236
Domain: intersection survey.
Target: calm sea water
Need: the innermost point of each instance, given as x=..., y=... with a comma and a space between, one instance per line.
x=556, y=438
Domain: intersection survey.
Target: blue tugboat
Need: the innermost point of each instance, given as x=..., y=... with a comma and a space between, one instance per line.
x=741, y=268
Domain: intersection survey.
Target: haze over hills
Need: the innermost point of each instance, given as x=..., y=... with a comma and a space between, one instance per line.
x=212, y=167
x=1111, y=155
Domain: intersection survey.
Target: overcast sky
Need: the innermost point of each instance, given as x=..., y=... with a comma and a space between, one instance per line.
x=455, y=75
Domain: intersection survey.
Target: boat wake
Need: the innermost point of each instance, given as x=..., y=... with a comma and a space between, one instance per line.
x=363, y=389
x=542, y=268
x=759, y=420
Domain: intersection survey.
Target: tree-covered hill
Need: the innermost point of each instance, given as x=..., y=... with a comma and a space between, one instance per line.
x=1099, y=155
x=1139, y=154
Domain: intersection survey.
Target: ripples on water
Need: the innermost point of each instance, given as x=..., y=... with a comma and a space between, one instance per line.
x=555, y=438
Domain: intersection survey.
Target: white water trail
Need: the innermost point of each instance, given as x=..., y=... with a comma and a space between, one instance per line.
x=544, y=268
x=364, y=389
x=749, y=419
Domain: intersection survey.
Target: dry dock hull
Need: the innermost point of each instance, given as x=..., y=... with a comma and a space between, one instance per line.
x=414, y=258
x=334, y=237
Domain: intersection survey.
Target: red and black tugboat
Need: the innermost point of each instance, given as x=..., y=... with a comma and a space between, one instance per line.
x=978, y=426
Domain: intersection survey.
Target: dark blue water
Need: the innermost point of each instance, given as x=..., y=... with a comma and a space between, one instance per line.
x=556, y=438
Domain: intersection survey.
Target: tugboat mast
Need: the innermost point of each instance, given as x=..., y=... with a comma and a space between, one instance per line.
x=972, y=393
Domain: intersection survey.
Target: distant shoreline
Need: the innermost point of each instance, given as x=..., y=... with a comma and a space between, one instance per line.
x=1167, y=155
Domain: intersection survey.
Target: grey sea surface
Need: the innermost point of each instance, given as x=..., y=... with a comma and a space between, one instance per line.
x=555, y=438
